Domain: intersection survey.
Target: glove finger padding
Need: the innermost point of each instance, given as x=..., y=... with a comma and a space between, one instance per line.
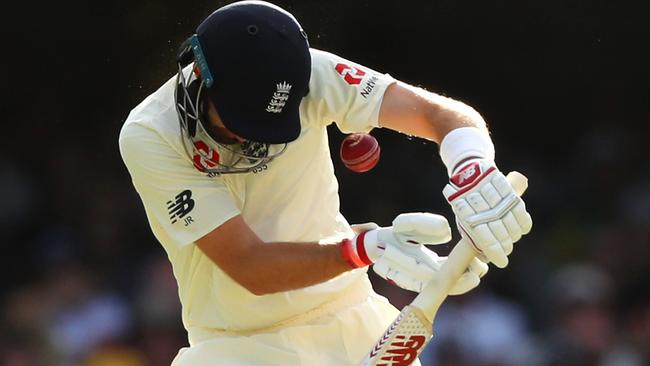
x=513, y=227
x=397, y=278
x=523, y=217
x=478, y=267
x=422, y=228
x=410, y=270
x=413, y=271
x=470, y=279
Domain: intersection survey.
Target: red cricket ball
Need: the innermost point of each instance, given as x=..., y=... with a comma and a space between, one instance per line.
x=360, y=152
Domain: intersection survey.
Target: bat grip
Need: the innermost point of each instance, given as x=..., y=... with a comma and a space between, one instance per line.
x=436, y=291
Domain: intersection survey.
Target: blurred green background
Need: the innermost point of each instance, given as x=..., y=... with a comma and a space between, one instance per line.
x=562, y=84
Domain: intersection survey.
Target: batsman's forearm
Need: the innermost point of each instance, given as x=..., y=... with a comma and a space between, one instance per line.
x=276, y=267
x=447, y=114
x=418, y=112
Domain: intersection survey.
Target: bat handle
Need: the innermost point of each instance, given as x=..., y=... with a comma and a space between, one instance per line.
x=436, y=291
x=432, y=296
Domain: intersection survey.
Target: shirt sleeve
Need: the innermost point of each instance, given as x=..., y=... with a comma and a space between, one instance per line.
x=184, y=203
x=345, y=92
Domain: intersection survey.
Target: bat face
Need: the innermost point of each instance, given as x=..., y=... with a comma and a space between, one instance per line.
x=403, y=340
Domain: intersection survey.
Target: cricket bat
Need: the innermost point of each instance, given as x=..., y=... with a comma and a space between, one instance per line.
x=407, y=336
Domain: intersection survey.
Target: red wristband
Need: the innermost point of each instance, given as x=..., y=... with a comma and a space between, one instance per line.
x=350, y=255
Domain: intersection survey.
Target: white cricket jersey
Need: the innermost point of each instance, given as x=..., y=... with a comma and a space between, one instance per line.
x=294, y=198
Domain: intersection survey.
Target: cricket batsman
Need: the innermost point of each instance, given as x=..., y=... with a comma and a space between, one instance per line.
x=231, y=160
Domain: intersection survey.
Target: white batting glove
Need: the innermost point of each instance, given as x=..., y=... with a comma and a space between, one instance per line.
x=489, y=214
x=399, y=254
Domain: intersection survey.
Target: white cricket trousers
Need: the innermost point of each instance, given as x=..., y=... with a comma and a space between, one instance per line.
x=336, y=334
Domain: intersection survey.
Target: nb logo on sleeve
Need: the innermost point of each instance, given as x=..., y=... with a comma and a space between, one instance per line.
x=180, y=206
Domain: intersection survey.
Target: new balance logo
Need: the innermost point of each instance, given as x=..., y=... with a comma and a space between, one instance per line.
x=279, y=98
x=180, y=206
x=402, y=351
x=467, y=175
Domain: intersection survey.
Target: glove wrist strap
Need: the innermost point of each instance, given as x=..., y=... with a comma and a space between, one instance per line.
x=354, y=253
